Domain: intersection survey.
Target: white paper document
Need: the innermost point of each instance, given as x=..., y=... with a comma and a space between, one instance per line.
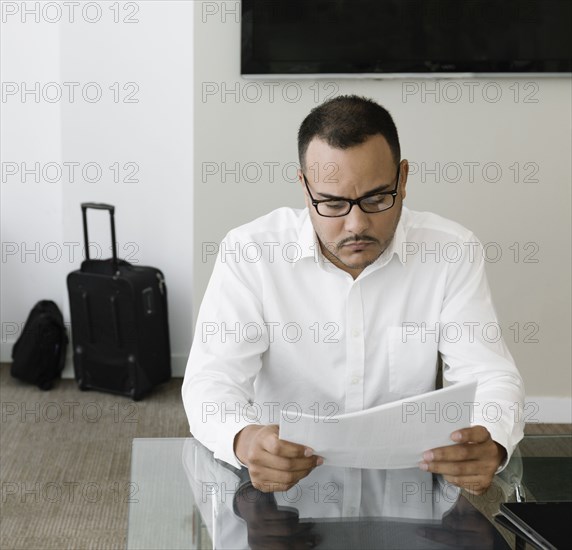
x=393, y=435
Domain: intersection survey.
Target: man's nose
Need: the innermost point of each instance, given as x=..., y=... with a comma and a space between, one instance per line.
x=357, y=221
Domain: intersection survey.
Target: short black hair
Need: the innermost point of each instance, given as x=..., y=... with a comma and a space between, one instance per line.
x=345, y=121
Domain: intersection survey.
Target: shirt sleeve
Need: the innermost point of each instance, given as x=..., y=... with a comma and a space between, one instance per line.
x=225, y=356
x=472, y=346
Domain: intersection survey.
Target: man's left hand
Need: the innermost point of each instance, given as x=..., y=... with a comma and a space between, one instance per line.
x=471, y=464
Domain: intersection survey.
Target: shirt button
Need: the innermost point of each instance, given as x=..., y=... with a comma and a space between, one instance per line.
x=355, y=333
x=355, y=380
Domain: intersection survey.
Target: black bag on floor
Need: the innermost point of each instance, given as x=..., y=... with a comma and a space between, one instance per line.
x=39, y=354
x=120, y=330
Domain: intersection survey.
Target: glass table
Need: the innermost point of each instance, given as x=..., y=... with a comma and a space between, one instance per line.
x=182, y=498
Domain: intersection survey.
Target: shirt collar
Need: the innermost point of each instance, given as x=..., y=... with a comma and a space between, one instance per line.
x=307, y=238
x=396, y=244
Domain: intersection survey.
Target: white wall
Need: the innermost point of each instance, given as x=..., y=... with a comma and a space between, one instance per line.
x=31, y=212
x=529, y=123
x=151, y=59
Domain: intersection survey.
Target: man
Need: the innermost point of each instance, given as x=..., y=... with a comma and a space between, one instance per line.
x=339, y=307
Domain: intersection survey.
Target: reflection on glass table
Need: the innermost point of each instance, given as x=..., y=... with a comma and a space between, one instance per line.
x=183, y=498
x=540, y=470
x=545, y=462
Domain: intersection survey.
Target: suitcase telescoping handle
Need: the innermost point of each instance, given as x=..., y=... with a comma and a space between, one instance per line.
x=100, y=206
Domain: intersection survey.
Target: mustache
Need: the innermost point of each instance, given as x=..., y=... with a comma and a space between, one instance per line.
x=358, y=239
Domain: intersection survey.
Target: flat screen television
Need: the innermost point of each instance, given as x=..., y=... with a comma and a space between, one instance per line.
x=396, y=37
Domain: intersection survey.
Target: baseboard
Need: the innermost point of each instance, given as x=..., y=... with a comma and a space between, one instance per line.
x=543, y=409
x=178, y=361
x=178, y=364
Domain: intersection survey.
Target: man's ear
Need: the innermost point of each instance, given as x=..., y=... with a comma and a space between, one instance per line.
x=300, y=177
x=304, y=190
x=404, y=168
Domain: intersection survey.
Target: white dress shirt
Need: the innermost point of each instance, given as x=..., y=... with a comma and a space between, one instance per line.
x=282, y=327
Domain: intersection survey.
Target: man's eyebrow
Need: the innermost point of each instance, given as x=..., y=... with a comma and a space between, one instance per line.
x=385, y=188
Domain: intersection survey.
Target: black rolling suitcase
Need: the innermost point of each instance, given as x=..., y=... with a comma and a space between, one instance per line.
x=120, y=330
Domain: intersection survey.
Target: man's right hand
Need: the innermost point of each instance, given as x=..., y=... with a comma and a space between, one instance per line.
x=273, y=464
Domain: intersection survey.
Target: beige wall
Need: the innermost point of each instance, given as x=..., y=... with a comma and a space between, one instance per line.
x=521, y=126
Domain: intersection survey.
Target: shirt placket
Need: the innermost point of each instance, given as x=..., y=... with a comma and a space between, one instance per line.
x=352, y=492
x=355, y=350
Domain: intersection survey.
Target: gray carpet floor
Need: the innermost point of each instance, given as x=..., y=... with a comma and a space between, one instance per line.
x=65, y=461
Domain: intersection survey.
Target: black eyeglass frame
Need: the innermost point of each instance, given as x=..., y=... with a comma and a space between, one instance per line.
x=352, y=202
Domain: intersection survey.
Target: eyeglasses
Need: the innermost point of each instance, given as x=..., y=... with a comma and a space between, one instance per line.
x=370, y=203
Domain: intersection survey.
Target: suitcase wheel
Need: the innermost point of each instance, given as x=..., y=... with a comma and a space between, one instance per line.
x=135, y=395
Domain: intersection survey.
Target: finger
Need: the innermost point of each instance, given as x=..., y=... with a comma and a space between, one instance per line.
x=285, y=464
x=281, y=447
x=271, y=486
x=475, y=434
x=475, y=484
x=463, y=468
x=452, y=453
x=280, y=477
